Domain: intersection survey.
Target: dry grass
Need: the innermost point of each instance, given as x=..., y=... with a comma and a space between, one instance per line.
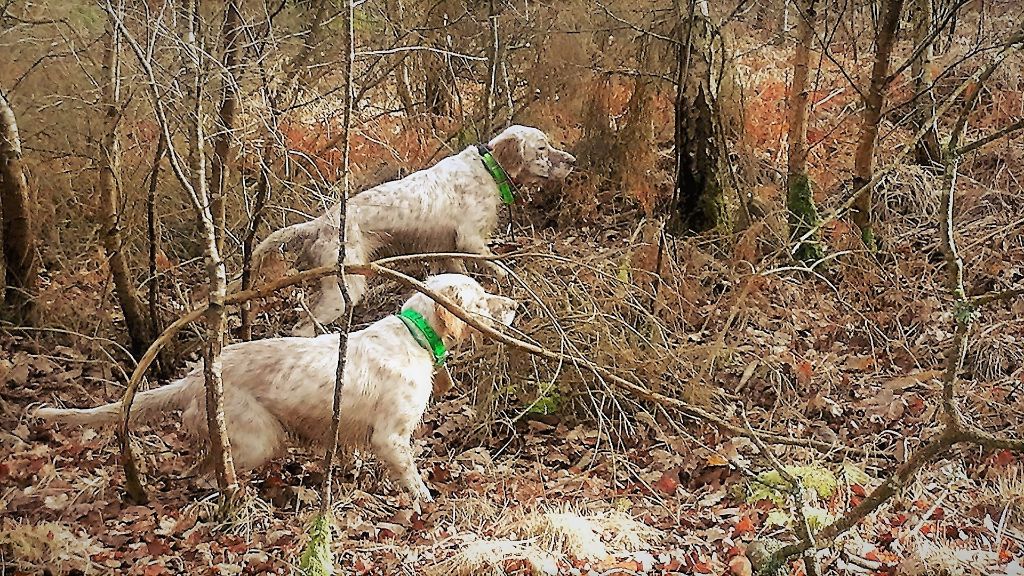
x=45, y=546
x=488, y=558
x=544, y=537
x=562, y=531
x=927, y=558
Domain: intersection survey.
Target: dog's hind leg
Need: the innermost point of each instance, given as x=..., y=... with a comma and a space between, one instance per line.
x=256, y=436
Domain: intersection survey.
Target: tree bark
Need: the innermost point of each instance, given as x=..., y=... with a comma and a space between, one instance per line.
x=249, y=241
x=349, y=41
x=438, y=94
x=109, y=167
x=864, y=160
x=220, y=168
x=699, y=200
x=803, y=214
x=927, y=151
x=492, y=74
x=220, y=445
x=19, y=243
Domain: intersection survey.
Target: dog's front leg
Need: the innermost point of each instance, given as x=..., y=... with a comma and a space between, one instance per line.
x=468, y=240
x=395, y=451
x=328, y=306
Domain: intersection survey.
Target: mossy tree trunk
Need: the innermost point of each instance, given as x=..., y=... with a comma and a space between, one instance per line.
x=874, y=100
x=702, y=183
x=803, y=214
x=19, y=242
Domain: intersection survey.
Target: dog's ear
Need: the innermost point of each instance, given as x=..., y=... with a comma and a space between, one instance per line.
x=449, y=324
x=502, y=309
x=508, y=151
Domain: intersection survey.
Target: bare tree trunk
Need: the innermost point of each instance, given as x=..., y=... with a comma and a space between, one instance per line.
x=318, y=558
x=403, y=83
x=439, y=98
x=782, y=25
x=262, y=195
x=109, y=167
x=220, y=167
x=699, y=199
x=220, y=445
x=927, y=151
x=325, y=502
x=19, y=242
x=864, y=161
x=153, y=282
x=803, y=214
x=492, y=73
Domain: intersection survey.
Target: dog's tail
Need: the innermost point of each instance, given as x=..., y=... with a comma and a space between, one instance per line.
x=272, y=246
x=147, y=406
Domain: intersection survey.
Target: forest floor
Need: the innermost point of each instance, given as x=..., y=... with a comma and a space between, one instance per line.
x=851, y=359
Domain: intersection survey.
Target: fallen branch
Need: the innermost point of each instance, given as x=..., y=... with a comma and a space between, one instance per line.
x=639, y=391
x=379, y=268
x=955, y=429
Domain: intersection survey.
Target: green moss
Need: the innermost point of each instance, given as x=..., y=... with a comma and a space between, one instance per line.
x=867, y=235
x=316, y=559
x=772, y=487
x=548, y=401
x=716, y=214
x=803, y=217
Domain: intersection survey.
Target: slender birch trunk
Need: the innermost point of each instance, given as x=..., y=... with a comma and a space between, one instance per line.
x=864, y=161
x=220, y=445
x=109, y=167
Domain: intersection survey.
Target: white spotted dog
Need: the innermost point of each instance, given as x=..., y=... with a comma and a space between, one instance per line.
x=282, y=388
x=451, y=206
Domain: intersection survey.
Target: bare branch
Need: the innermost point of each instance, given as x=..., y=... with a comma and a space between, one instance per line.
x=981, y=142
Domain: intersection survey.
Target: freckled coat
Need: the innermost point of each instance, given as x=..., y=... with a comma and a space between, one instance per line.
x=451, y=206
x=283, y=388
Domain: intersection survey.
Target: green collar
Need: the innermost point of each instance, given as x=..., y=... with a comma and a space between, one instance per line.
x=505, y=186
x=424, y=334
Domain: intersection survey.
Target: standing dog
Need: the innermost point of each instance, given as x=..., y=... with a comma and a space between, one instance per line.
x=279, y=388
x=450, y=207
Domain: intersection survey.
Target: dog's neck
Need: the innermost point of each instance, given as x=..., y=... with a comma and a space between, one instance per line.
x=424, y=335
x=502, y=179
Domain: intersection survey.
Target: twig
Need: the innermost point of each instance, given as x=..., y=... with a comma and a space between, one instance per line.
x=968, y=148
x=378, y=268
x=796, y=493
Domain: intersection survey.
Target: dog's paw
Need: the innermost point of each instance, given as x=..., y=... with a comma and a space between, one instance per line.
x=420, y=493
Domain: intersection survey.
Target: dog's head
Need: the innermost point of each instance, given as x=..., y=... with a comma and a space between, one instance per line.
x=469, y=295
x=528, y=157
